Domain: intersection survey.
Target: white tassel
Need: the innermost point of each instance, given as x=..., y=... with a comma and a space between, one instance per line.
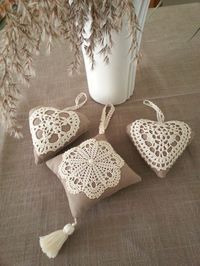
x=52, y=243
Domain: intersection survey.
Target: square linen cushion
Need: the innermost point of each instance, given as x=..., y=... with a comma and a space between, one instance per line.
x=89, y=173
x=53, y=129
x=160, y=143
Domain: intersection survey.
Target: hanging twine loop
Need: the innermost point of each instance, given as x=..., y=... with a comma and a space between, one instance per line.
x=159, y=113
x=80, y=100
x=105, y=118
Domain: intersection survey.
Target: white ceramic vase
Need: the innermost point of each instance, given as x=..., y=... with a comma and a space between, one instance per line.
x=114, y=82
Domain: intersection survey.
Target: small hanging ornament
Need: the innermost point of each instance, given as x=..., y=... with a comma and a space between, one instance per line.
x=160, y=143
x=53, y=129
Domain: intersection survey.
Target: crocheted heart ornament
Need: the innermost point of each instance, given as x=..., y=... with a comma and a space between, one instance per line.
x=159, y=143
x=51, y=129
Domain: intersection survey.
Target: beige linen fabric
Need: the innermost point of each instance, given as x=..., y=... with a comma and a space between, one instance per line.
x=153, y=223
x=80, y=203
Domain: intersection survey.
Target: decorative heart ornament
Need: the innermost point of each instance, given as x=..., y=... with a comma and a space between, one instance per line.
x=160, y=143
x=52, y=128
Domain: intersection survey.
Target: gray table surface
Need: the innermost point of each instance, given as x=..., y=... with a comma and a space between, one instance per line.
x=155, y=222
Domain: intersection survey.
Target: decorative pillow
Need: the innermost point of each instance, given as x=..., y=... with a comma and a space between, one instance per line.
x=159, y=143
x=89, y=172
x=52, y=129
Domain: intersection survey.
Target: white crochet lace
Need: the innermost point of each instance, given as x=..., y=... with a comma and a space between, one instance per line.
x=51, y=128
x=92, y=167
x=160, y=143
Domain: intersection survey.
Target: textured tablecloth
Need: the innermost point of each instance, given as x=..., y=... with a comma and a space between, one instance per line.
x=155, y=222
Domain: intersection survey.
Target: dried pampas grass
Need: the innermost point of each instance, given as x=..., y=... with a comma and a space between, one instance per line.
x=25, y=24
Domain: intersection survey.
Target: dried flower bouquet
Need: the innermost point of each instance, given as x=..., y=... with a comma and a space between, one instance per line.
x=25, y=24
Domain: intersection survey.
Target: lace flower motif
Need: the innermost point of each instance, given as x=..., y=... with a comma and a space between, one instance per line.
x=92, y=167
x=52, y=128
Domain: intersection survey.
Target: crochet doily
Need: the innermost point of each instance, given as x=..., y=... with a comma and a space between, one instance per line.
x=51, y=128
x=160, y=143
x=92, y=167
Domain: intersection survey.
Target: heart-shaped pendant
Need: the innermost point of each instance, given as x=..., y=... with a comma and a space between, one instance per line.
x=52, y=128
x=159, y=143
